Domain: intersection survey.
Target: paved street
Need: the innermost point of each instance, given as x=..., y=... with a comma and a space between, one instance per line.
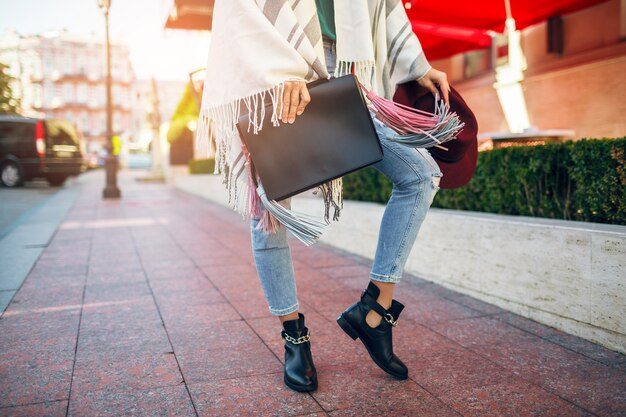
x=151, y=306
x=17, y=203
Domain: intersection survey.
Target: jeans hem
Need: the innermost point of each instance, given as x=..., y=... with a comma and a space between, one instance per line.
x=284, y=311
x=384, y=278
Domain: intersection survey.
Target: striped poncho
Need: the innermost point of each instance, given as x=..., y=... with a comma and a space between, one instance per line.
x=257, y=45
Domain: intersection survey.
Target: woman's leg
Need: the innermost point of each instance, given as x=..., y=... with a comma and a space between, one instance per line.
x=272, y=257
x=415, y=177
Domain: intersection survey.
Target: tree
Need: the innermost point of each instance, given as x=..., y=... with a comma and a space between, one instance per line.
x=8, y=103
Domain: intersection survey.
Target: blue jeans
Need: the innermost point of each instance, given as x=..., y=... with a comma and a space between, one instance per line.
x=415, y=177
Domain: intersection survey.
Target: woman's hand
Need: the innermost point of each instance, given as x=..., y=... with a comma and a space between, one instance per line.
x=295, y=99
x=439, y=78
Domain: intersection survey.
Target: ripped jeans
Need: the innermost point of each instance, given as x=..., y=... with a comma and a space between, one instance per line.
x=415, y=177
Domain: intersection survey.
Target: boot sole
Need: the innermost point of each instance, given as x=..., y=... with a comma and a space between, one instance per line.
x=300, y=388
x=351, y=331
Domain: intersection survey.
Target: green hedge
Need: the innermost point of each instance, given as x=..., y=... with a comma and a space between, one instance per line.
x=583, y=180
x=202, y=166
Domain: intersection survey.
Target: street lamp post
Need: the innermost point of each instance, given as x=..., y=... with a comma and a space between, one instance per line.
x=110, y=190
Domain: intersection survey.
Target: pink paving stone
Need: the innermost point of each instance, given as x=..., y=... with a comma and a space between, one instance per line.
x=323, y=259
x=510, y=398
x=222, y=274
x=263, y=395
x=333, y=301
x=109, y=292
x=309, y=281
x=571, y=342
x=252, y=307
x=115, y=268
x=158, y=274
x=356, y=283
x=114, y=314
x=150, y=337
x=175, y=314
x=347, y=271
x=210, y=261
x=478, y=331
x=434, y=311
x=34, y=368
x=128, y=277
x=124, y=369
x=224, y=335
x=32, y=296
x=413, y=340
x=188, y=291
x=47, y=409
x=453, y=370
x=475, y=304
x=62, y=268
x=363, y=392
x=23, y=328
x=585, y=382
x=252, y=357
x=171, y=401
x=235, y=281
x=251, y=291
x=186, y=279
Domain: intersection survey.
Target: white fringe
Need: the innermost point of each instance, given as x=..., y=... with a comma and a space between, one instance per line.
x=306, y=228
x=219, y=123
x=365, y=71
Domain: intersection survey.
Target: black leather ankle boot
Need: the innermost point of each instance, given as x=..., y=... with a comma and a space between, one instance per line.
x=300, y=372
x=377, y=340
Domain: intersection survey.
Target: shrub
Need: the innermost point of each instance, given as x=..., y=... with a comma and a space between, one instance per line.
x=202, y=166
x=583, y=180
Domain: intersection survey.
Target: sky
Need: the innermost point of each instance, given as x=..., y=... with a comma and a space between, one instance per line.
x=164, y=54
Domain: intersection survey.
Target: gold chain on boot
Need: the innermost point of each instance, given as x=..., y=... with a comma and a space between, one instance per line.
x=298, y=341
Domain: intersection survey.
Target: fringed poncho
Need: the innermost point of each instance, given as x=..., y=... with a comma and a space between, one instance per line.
x=258, y=45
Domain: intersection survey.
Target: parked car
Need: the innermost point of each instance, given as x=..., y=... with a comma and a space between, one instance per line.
x=38, y=148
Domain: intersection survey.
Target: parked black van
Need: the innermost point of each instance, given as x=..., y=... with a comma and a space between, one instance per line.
x=32, y=148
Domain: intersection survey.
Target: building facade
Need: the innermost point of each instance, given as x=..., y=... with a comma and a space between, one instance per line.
x=61, y=75
x=581, y=89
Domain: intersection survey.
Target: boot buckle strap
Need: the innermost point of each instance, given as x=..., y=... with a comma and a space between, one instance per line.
x=389, y=319
x=299, y=340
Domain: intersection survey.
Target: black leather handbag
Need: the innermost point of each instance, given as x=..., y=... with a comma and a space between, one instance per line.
x=333, y=137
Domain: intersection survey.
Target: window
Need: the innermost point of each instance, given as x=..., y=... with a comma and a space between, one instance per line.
x=68, y=93
x=81, y=92
x=84, y=121
x=476, y=62
x=16, y=130
x=61, y=132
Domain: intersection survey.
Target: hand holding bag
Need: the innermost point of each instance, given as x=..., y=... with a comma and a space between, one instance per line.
x=333, y=137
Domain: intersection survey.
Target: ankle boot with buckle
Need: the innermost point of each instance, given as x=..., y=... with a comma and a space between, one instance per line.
x=377, y=340
x=300, y=372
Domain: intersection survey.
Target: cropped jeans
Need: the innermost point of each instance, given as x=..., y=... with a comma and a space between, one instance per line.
x=415, y=177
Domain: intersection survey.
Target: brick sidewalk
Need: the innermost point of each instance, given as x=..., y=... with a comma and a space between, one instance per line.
x=151, y=306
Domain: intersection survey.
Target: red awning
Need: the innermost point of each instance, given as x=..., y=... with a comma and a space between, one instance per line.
x=191, y=15
x=444, y=27
x=447, y=27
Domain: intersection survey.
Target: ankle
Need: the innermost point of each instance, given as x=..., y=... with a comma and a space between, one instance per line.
x=385, y=298
x=373, y=319
x=288, y=317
